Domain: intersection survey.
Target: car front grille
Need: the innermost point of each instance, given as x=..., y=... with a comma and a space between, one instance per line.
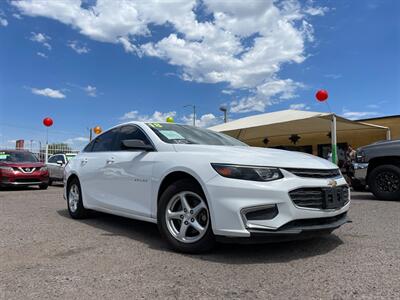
x=315, y=173
x=26, y=170
x=27, y=180
x=312, y=222
x=319, y=198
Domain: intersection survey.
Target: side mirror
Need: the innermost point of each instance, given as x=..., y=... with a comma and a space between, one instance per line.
x=137, y=145
x=60, y=162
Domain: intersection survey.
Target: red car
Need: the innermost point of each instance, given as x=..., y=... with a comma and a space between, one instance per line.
x=22, y=168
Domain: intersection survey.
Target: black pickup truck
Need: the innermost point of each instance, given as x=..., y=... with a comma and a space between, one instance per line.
x=378, y=167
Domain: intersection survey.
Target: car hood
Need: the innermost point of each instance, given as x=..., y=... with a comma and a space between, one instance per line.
x=22, y=164
x=256, y=156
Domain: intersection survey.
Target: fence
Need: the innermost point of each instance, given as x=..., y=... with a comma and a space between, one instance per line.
x=43, y=153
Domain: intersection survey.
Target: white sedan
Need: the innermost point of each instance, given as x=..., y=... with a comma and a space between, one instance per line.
x=201, y=186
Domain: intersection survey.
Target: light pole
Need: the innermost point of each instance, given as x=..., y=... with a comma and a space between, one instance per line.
x=194, y=112
x=225, y=111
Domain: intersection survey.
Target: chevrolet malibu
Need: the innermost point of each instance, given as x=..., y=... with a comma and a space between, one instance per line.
x=201, y=186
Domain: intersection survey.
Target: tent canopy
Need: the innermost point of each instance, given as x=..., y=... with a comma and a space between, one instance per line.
x=287, y=122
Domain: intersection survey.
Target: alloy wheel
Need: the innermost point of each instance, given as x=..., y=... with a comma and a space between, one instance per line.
x=388, y=182
x=187, y=217
x=73, y=198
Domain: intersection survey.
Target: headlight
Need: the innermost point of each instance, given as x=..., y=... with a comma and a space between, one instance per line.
x=247, y=172
x=4, y=168
x=360, y=156
x=43, y=169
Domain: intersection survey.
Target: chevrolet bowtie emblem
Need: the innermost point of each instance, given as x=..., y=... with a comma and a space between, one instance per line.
x=332, y=183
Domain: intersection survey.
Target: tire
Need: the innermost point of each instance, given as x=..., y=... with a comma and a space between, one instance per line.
x=196, y=215
x=43, y=186
x=384, y=182
x=74, y=200
x=50, y=181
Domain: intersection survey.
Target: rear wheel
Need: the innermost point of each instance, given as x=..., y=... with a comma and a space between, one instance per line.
x=74, y=200
x=384, y=182
x=184, y=219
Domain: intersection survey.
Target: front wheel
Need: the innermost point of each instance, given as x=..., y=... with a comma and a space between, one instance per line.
x=184, y=219
x=384, y=182
x=74, y=200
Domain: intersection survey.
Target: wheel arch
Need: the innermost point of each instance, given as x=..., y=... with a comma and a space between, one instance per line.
x=385, y=160
x=70, y=178
x=174, y=176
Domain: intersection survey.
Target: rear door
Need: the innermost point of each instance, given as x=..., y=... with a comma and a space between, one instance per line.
x=93, y=169
x=52, y=166
x=129, y=173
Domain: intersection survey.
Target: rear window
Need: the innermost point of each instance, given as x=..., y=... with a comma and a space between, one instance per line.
x=14, y=156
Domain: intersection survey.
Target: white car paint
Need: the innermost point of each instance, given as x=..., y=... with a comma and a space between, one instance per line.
x=56, y=164
x=126, y=183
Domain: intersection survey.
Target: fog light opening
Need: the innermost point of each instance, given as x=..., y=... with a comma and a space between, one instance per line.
x=261, y=213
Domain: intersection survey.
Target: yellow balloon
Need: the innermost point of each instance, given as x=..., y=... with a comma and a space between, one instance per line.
x=170, y=120
x=97, y=130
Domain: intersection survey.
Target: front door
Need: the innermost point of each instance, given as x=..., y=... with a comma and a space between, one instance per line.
x=129, y=174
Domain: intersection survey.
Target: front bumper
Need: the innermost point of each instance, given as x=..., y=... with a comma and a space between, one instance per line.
x=36, y=178
x=295, y=230
x=229, y=197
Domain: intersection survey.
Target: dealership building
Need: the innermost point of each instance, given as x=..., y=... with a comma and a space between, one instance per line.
x=309, y=132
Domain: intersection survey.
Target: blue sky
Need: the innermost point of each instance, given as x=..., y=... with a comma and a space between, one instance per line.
x=104, y=62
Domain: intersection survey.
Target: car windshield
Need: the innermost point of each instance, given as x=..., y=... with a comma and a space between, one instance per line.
x=185, y=134
x=70, y=156
x=14, y=156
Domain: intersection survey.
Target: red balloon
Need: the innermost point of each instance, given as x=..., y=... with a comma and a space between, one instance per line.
x=321, y=95
x=47, y=122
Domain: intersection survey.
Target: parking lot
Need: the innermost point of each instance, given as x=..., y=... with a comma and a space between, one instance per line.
x=44, y=254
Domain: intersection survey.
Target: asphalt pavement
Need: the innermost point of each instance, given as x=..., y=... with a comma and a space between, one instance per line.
x=44, y=254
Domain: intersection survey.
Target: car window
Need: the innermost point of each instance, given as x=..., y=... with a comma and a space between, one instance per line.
x=70, y=156
x=105, y=142
x=130, y=132
x=89, y=147
x=53, y=159
x=61, y=157
x=17, y=156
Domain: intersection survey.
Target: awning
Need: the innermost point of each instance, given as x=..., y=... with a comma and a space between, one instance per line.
x=287, y=122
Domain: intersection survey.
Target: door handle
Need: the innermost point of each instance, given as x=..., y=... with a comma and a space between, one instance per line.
x=84, y=161
x=110, y=160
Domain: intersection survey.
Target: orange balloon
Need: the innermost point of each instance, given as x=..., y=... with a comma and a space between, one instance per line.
x=97, y=130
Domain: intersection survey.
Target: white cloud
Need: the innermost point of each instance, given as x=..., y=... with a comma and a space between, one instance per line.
x=128, y=46
x=242, y=43
x=17, y=16
x=227, y=92
x=157, y=116
x=91, y=91
x=333, y=76
x=299, y=106
x=48, y=92
x=353, y=115
x=78, y=47
x=316, y=11
x=41, y=38
x=41, y=54
x=206, y=120
x=3, y=22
